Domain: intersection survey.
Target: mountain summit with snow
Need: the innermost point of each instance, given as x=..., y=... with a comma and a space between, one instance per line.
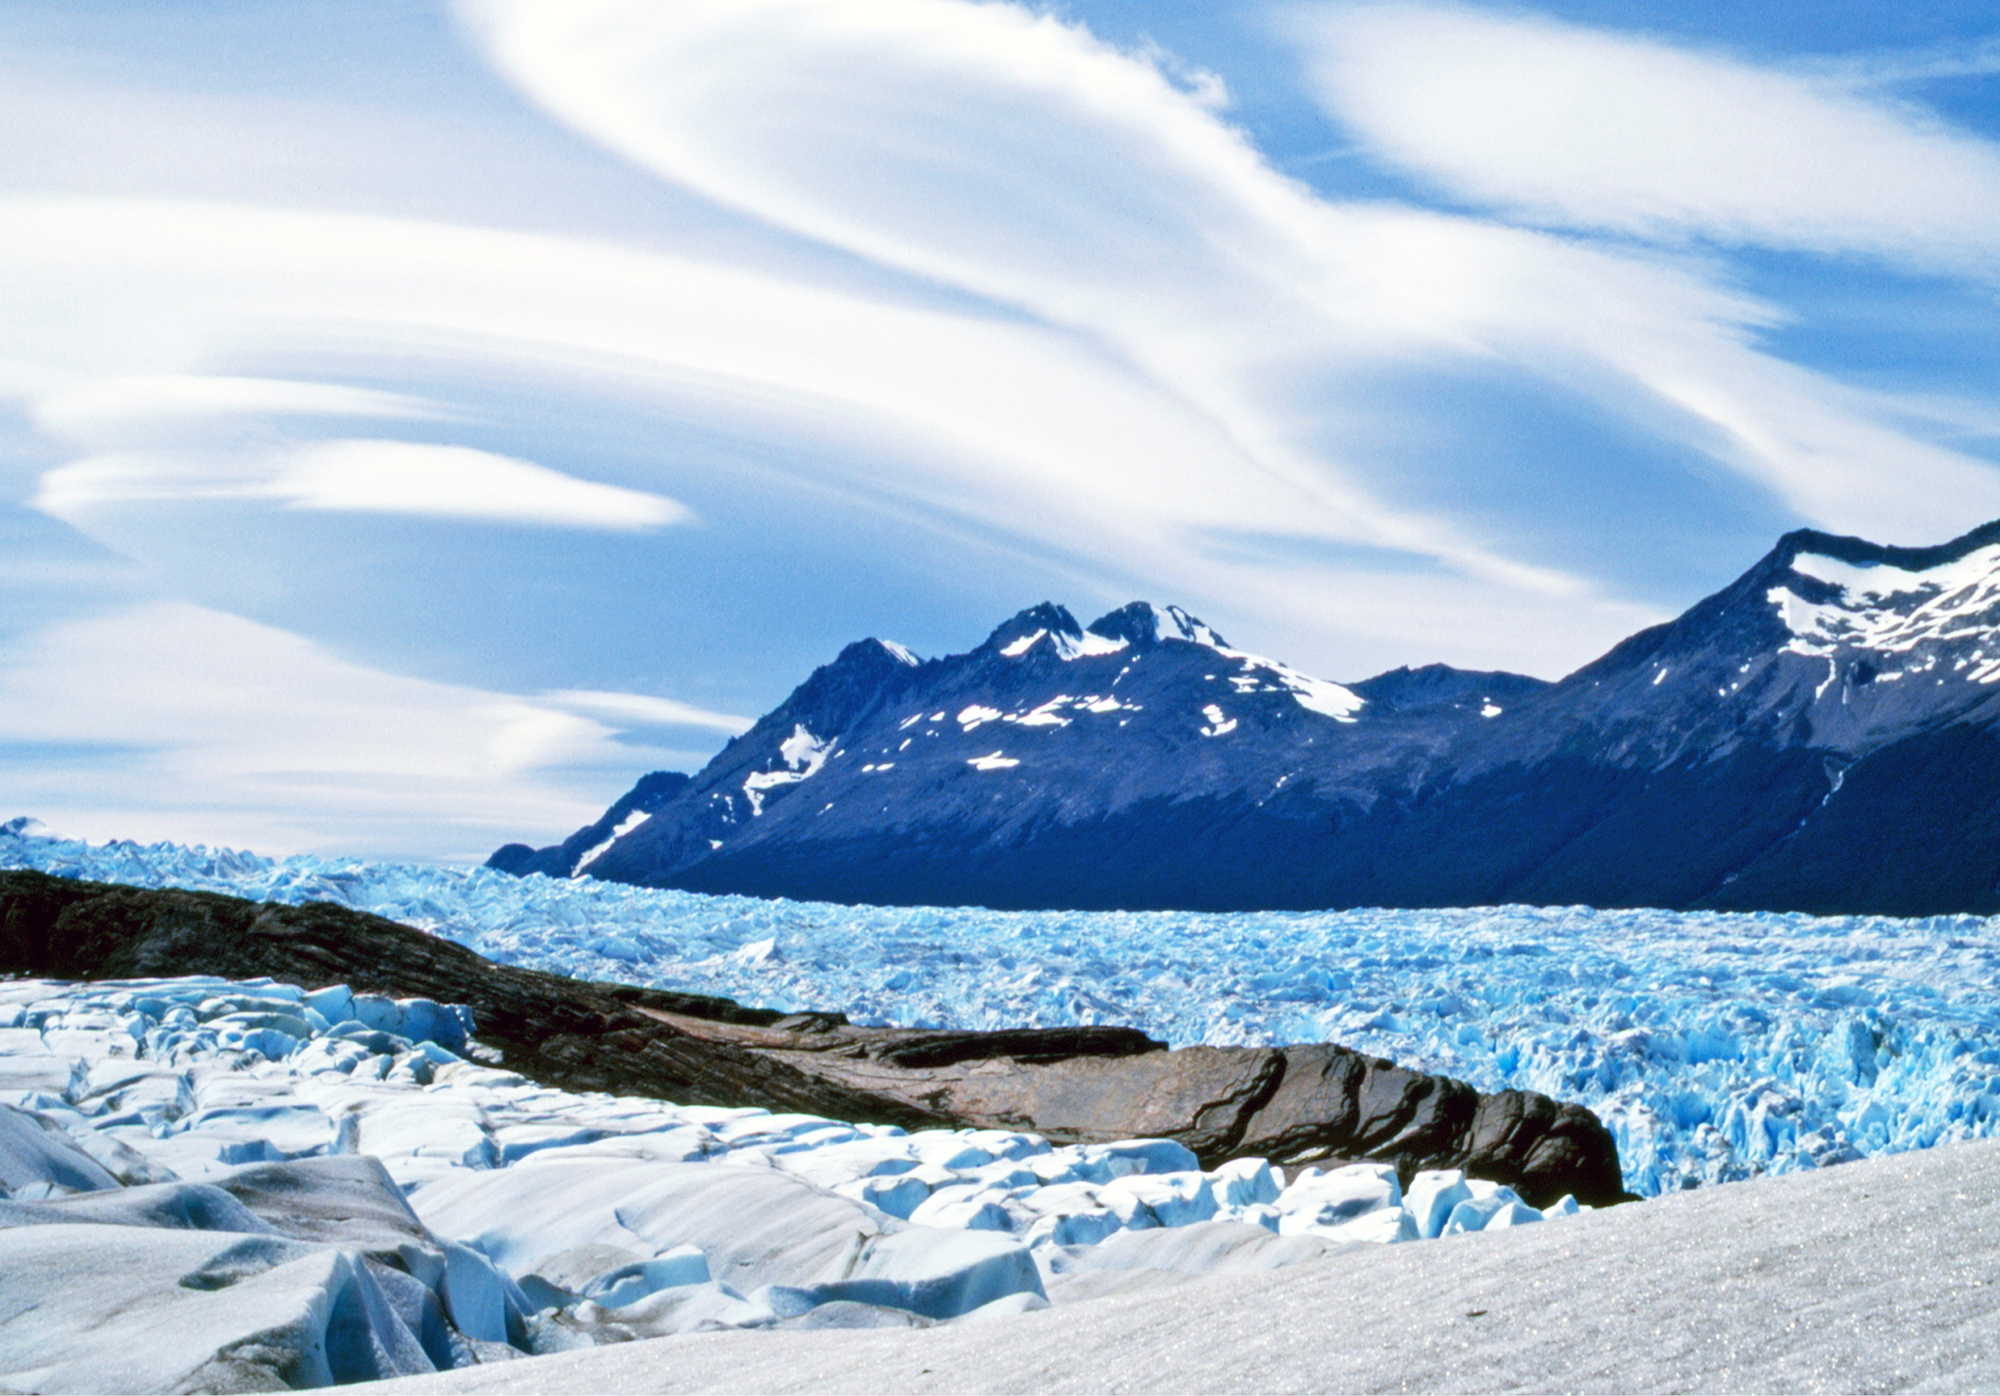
x=1818, y=736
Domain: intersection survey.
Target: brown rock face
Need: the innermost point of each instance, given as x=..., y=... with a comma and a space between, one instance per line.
x=1292, y=1105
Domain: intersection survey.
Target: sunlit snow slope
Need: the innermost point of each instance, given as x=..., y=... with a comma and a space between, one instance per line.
x=1878, y=1277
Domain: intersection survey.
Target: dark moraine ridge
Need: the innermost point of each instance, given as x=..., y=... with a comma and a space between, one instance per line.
x=1292, y=1105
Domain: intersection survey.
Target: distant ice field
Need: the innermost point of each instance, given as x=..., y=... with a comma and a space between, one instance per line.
x=1715, y=1046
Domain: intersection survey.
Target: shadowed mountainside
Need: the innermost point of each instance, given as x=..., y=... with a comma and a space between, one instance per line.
x=1823, y=735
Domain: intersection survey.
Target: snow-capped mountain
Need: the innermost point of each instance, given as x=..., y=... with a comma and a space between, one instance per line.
x=1817, y=736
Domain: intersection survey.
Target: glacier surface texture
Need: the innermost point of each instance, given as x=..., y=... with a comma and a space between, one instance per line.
x=1716, y=1046
x=421, y=1209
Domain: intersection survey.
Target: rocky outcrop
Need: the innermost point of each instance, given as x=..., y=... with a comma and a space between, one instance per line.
x=1292, y=1105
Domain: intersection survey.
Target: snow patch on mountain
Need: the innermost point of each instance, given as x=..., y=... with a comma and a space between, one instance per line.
x=804, y=752
x=1887, y=609
x=1068, y=647
x=757, y=783
x=623, y=827
x=1045, y=715
x=1172, y=622
x=1089, y=646
x=1261, y=675
x=1257, y=674
x=1882, y=580
x=1048, y=714
x=803, y=755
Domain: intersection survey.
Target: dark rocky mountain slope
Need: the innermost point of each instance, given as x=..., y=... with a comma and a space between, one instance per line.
x=1818, y=736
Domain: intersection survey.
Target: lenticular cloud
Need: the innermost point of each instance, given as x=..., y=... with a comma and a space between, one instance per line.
x=1715, y=1046
x=1581, y=128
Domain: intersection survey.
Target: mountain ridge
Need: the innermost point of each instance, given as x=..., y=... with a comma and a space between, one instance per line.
x=1818, y=735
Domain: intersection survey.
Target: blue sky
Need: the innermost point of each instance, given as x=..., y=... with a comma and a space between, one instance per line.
x=417, y=420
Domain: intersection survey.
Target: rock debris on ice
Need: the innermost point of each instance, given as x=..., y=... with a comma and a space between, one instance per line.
x=1716, y=1046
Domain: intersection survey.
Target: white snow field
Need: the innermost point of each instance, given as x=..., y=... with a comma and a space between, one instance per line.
x=132, y=1112
x=1715, y=1046
x=1882, y=1275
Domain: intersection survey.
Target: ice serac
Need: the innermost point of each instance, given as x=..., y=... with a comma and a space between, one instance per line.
x=1822, y=735
x=38, y=1161
x=305, y=1273
x=1071, y=1085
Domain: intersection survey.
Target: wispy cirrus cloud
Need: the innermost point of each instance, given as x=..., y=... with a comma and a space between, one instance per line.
x=1565, y=126
x=932, y=304
x=104, y=413
x=966, y=414
x=639, y=709
x=1005, y=152
x=1167, y=341
x=253, y=737
x=363, y=477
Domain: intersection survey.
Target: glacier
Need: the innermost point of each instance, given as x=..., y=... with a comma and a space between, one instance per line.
x=1715, y=1046
x=539, y=1220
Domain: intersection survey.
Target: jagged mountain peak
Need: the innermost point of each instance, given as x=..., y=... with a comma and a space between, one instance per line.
x=1824, y=733
x=1434, y=687
x=901, y=655
x=1830, y=596
x=1862, y=553
x=1902, y=604
x=838, y=692
x=873, y=653
x=1139, y=625
x=1019, y=631
x=1051, y=629
x=1143, y=625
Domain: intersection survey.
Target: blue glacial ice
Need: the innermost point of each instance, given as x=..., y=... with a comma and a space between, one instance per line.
x=1715, y=1046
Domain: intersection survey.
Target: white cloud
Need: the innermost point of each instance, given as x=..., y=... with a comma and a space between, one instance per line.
x=1576, y=127
x=643, y=710
x=104, y=413
x=1007, y=153
x=401, y=477
x=1880, y=70
x=967, y=419
x=255, y=737
x=375, y=477
x=1165, y=340
x=1000, y=420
